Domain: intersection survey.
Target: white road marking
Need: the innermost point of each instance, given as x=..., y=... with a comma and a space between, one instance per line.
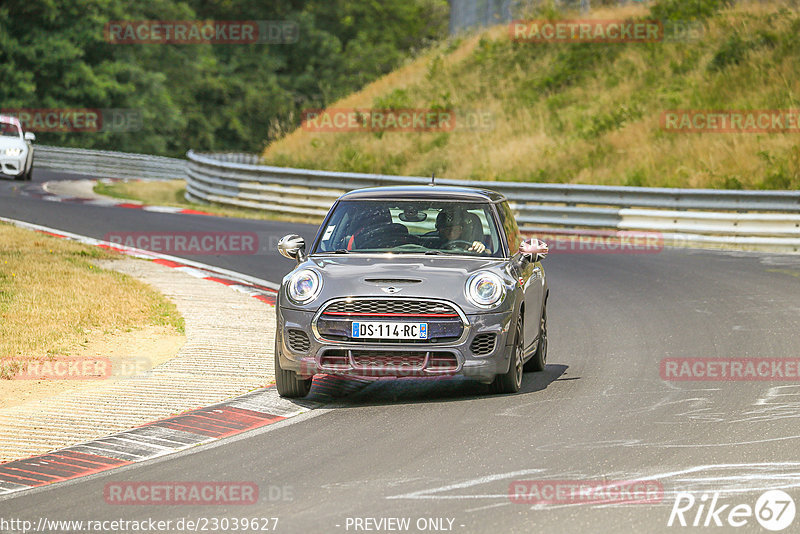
x=425, y=494
x=496, y=505
x=743, y=478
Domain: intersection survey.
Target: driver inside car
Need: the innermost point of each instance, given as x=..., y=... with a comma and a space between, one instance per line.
x=455, y=225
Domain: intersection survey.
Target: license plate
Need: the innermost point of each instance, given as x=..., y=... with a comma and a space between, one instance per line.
x=390, y=330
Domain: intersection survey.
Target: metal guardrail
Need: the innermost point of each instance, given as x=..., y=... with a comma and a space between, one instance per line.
x=520, y=192
x=107, y=164
x=767, y=220
x=755, y=219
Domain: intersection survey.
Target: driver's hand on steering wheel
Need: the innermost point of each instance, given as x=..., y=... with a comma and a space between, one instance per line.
x=478, y=247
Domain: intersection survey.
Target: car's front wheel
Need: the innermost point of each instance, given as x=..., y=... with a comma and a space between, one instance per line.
x=287, y=382
x=511, y=381
x=539, y=359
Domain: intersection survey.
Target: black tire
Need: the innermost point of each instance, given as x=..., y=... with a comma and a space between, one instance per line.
x=539, y=359
x=29, y=175
x=511, y=381
x=287, y=382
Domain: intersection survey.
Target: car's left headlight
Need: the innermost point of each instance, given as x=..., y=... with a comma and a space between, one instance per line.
x=485, y=289
x=304, y=286
x=13, y=151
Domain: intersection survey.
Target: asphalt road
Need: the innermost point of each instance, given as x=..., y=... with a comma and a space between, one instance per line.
x=446, y=449
x=17, y=201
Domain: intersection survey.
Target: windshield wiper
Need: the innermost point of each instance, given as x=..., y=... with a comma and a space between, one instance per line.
x=433, y=252
x=341, y=251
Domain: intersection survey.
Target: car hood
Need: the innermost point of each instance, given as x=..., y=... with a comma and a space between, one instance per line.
x=442, y=276
x=6, y=141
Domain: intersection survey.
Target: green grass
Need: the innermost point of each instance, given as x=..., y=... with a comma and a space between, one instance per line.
x=587, y=113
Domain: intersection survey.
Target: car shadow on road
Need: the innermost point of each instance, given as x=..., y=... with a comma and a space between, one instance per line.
x=441, y=389
x=533, y=382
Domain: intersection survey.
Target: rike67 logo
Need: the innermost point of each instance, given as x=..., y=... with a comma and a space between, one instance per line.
x=774, y=510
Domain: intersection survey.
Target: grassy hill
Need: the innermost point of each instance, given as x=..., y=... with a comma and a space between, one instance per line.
x=586, y=112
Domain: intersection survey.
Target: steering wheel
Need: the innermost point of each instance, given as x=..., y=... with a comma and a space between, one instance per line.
x=370, y=233
x=457, y=243
x=381, y=235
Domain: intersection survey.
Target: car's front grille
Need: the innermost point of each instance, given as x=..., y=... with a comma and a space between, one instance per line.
x=403, y=361
x=442, y=361
x=391, y=307
x=389, y=363
x=483, y=344
x=444, y=324
x=335, y=359
x=298, y=341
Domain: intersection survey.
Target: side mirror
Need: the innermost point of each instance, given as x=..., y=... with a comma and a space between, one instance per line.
x=533, y=249
x=29, y=136
x=292, y=246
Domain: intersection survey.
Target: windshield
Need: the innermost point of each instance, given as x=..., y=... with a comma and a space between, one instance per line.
x=411, y=227
x=8, y=129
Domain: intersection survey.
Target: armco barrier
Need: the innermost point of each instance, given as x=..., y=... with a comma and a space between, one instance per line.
x=765, y=220
x=756, y=220
x=106, y=164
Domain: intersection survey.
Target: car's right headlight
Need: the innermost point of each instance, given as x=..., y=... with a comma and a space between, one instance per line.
x=304, y=286
x=485, y=289
x=14, y=151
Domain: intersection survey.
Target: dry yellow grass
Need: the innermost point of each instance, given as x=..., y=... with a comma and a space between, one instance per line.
x=601, y=126
x=53, y=300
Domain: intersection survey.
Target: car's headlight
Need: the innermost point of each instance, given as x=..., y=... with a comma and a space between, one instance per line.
x=13, y=151
x=485, y=289
x=304, y=286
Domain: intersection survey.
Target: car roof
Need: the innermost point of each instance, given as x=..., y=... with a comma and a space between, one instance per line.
x=425, y=192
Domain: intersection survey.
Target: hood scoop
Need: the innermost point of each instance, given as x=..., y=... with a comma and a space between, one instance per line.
x=392, y=280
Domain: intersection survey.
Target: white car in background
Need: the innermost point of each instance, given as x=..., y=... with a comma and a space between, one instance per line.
x=16, y=149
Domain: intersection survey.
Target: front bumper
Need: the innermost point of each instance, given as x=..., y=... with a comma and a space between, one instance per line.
x=316, y=355
x=12, y=165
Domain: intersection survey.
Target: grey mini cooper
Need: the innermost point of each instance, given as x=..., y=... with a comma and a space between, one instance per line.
x=417, y=281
